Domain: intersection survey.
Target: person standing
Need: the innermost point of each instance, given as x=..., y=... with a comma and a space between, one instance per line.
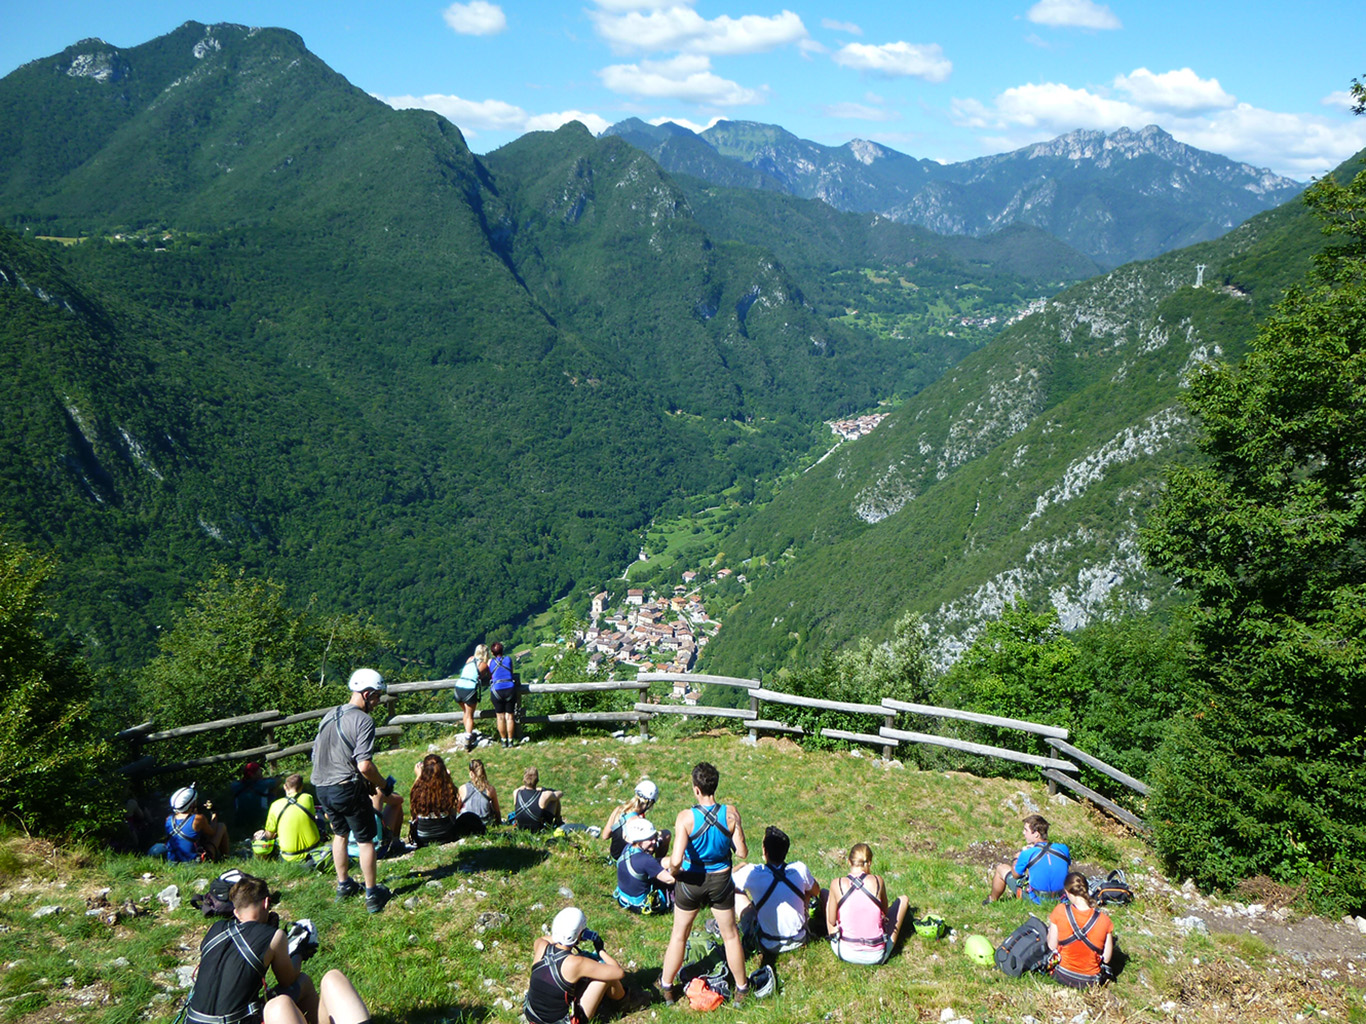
x=705, y=838
x=474, y=674
x=345, y=776
x=503, y=692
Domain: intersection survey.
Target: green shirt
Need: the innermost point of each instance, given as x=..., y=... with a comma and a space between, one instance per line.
x=295, y=829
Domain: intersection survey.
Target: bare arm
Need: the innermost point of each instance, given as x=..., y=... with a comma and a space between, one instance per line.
x=579, y=967
x=832, y=905
x=371, y=773
x=682, y=826
x=611, y=820
x=737, y=833
x=286, y=968
x=493, y=801
x=1053, y=937
x=1109, y=949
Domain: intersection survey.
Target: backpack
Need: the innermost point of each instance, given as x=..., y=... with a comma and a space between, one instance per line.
x=1111, y=888
x=1025, y=950
x=215, y=902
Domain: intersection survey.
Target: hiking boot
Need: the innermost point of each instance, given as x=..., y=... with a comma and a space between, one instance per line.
x=376, y=898
x=347, y=888
x=737, y=998
x=670, y=993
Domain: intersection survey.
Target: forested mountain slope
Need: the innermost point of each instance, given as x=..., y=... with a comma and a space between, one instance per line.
x=1026, y=470
x=316, y=338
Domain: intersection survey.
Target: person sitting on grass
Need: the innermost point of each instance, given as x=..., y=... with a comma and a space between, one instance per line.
x=1038, y=871
x=192, y=835
x=644, y=885
x=291, y=824
x=433, y=803
x=478, y=803
x=1083, y=937
x=772, y=898
x=642, y=800
x=569, y=983
x=863, y=929
x=533, y=808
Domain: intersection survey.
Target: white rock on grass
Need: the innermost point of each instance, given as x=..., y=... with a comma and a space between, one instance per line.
x=47, y=911
x=170, y=897
x=1361, y=925
x=1192, y=924
x=184, y=976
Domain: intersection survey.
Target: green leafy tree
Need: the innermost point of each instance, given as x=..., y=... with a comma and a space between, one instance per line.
x=1267, y=773
x=239, y=648
x=52, y=747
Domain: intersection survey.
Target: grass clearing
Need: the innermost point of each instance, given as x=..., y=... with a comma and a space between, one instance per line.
x=934, y=835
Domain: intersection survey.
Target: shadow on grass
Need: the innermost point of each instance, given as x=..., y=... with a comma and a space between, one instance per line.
x=443, y=1015
x=505, y=860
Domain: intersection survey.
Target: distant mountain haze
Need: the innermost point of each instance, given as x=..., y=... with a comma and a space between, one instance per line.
x=1118, y=197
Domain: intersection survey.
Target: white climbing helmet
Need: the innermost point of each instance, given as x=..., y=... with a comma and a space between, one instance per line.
x=637, y=830
x=366, y=679
x=647, y=791
x=568, y=925
x=184, y=799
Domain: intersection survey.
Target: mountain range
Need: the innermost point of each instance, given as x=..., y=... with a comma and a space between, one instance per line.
x=1119, y=197
x=298, y=332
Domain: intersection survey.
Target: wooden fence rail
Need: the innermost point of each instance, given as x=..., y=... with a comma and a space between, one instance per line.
x=888, y=736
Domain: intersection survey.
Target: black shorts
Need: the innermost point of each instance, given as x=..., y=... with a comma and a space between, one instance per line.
x=349, y=810
x=470, y=697
x=715, y=890
x=503, y=701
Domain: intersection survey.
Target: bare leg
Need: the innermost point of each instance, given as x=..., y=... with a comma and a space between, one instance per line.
x=340, y=859
x=592, y=995
x=367, y=860
x=468, y=709
x=339, y=1002
x=730, y=938
x=678, y=945
x=998, y=881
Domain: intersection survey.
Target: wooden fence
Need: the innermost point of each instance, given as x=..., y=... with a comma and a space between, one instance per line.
x=884, y=732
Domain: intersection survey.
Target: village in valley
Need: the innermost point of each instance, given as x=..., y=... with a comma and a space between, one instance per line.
x=650, y=633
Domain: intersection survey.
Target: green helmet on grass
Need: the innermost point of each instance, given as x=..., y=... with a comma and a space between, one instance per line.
x=980, y=950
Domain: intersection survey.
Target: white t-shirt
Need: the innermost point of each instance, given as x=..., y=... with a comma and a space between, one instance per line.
x=784, y=914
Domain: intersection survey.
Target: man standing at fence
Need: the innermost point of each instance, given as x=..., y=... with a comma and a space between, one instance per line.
x=345, y=775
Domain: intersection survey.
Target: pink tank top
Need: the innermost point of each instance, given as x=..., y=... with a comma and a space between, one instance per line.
x=860, y=917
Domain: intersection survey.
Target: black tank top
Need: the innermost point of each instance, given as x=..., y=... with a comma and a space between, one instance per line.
x=232, y=967
x=549, y=996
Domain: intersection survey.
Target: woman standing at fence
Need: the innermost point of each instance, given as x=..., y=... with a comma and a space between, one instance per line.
x=474, y=675
x=478, y=802
x=503, y=692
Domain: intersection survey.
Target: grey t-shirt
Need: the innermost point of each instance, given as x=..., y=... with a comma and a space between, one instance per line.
x=346, y=737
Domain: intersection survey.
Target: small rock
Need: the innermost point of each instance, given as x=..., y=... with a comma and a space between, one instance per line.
x=856, y=753
x=1256, y=909
x=1192, y=924
x=1080, y=1018
x=170, y=897
x=433, y=885
x=490, y=920
x=1361, y=924
x=538, y=906
x=201, y=885
x=410, y=903
x=479, y=945
x=566, y=892
x=503, y=1004
x=121, y=961
x=184, y=976
x=47, y=911
x=413, y=939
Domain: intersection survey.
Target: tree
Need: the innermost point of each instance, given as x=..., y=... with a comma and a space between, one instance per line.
x=52, y=748
x=1266, y=773
x=238, y=648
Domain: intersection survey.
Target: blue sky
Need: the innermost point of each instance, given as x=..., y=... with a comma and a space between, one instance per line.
x=1262, y=82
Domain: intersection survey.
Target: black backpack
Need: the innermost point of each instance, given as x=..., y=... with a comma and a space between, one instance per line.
x=1025, y=950
x=215, y=902
x=1111, y=889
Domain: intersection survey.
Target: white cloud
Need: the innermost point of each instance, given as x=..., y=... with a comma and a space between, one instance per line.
x=683, y=122
x=474, y=116
x=549, y=122
x=1073, y=14
x=1295, y=145
x=847, y=27
x=476, y=18
x=810, y=46
x=859, y=112
x=897, y=59
x=621, y=6
x=1181, y=91
x=683, y=29
x=1342, y=99
x=685, y=77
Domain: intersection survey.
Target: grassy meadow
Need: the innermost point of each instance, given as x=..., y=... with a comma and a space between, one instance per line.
x=425, y=959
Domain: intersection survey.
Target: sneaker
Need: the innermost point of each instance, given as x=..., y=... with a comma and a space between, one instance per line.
x=670, y=993
x=737, y=998
x=376, y=898
x=347, y=888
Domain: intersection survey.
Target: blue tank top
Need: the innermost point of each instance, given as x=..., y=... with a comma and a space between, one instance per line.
x=182, y=841
x=501, y=669
x=709, y=845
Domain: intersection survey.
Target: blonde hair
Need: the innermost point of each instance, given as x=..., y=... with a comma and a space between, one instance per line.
x=861, y=853
x=481, y=652
x=478, y=779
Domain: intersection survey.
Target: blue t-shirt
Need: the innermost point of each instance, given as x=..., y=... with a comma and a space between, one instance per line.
x=1049, y=871
x=645, y=865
